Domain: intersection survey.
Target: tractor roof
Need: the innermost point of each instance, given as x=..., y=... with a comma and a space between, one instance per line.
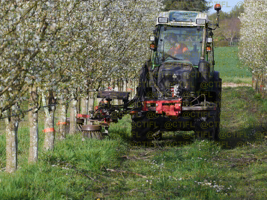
x=182, y=18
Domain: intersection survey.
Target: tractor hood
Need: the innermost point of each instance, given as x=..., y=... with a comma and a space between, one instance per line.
x=177, y=73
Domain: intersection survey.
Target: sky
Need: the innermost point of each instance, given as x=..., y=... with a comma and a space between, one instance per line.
x=227, y=5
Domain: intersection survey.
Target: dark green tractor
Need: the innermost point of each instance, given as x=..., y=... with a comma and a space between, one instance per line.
x=178, y=87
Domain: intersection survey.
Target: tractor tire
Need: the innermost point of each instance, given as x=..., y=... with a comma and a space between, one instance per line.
x=144, y=128
x=218, y=113
x=217, y=125
x=209, y=128
x=205, y=128
x=212, y=131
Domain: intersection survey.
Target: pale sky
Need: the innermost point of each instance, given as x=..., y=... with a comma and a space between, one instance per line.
x=227, y=5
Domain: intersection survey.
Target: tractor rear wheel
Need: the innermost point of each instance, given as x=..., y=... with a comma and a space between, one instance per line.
x=212, y=130
x=218, y=113
x=205, y=128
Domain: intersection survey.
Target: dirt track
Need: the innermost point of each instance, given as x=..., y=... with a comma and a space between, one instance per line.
x=236, y=85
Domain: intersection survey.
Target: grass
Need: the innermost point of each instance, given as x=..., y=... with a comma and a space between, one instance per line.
x=176, y=168
x=71, y=171
x=230, y=67
x=243, y=115
x=201, y=170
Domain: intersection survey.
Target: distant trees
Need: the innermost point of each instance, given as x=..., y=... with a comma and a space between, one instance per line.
x=193, y=5
x=234, y=13
x=229, y=29
x=229, y=25
x=252, y=47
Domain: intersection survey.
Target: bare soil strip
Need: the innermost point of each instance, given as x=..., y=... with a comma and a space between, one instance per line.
x=236, y=85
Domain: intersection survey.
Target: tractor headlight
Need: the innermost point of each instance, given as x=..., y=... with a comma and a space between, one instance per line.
x=201, y=21
x=163, y=19
x=152, y=38
x=209, y=40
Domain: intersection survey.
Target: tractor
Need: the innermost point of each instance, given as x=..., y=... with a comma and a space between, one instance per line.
x=178, y=90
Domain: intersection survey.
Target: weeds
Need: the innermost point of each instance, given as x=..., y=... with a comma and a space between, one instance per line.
x=233, y=168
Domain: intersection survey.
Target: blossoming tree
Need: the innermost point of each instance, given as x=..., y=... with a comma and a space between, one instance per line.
x=253, y=49
x=59, y=50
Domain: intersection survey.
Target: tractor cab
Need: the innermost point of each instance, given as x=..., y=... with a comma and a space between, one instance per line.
x=182, y=36
x=179, y=36
x=182, y=52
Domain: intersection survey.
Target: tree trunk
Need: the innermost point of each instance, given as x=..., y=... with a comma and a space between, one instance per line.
x=264, y=83
x=97, y=99
x=94, y=101
x=83, y=105
x=33, y=122
x=88, y=105
x=62, y=123
x=254, y=86
x=129, y=85
x=49, y=128
x=115, y=86
x=78, y=104
x=126, y=85
x=73, y=114
x=124, y=89
x=231, y=41
x=11, y=142
x=120, y=90
x=257, y=83
x=91, y=101
x=134, y=87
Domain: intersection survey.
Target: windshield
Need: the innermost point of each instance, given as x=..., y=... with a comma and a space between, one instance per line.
x=179, y=43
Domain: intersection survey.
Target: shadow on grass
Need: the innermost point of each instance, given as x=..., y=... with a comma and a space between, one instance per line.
x=122, y=130
x=166, y=141
x=230, y=139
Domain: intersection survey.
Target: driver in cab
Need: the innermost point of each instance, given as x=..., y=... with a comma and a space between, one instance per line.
x=176, y=47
